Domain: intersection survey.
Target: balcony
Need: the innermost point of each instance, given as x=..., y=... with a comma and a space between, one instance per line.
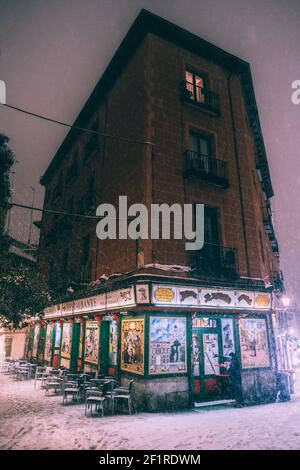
x=268, y=224
x=274, y=246
x=206, y=167
x=215, y=261
x=200, y=97
x=276, y=278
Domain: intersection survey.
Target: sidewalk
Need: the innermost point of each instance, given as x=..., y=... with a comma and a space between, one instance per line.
x=29, y=420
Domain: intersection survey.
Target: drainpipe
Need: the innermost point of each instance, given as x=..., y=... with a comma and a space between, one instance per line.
x=237, y=160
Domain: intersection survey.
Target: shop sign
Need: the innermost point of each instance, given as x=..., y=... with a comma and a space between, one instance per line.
x=142, y=294
x=67, y=308
x=263, y=301
x=90, y=304
x=121, y=298
x=110, y=300
x=53, y=311
x=164, y=295
x=204, y=297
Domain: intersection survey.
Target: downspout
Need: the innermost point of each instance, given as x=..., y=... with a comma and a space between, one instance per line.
x=236, y=154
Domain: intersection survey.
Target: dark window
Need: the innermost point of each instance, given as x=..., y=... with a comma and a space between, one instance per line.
x=200, y=152
x=201, y=144
x=211, y=229
x=202, y=162
x=214, y=260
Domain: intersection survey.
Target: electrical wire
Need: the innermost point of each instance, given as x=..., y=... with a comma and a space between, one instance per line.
x=83, y=216
x=81, y=129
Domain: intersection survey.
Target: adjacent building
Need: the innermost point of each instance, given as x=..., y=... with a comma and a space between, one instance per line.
x=173, y=119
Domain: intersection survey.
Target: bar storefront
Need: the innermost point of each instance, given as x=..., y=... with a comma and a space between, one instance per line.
x=174, y=340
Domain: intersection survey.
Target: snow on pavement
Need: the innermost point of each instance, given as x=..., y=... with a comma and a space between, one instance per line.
x=29, y=420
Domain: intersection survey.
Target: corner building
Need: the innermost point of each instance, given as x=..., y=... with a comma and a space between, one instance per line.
x=188, y=131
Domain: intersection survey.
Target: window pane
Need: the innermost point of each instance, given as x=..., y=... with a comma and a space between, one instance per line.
x=199, y=81
x=204, y=146
x=193, y=142
x=189, y=76
x=199, y=88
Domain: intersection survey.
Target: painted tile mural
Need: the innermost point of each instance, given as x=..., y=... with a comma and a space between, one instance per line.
x=91, y=347
x=254, y=343
x=132, y=345
x=167, y=348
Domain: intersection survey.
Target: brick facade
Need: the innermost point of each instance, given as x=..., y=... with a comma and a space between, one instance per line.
x=144, y=104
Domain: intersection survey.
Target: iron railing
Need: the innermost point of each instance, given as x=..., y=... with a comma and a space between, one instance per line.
x=206, y=167
x=201, y=96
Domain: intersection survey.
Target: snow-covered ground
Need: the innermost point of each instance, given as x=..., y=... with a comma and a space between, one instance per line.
x=29, y=420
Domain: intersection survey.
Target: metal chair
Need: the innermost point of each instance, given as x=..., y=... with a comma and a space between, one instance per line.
x=123, y=393
x=71, y=388
x=22, y=372
x=40, y=375
x=55, y=384
x=97, y=398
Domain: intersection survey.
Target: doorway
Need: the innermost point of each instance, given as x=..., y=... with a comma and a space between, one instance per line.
x=213, y=341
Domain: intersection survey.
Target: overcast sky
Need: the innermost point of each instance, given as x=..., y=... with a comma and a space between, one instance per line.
x=52, y=53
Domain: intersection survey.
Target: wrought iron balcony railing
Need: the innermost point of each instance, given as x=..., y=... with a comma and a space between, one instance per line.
x=276, y=278
x=268, y=224
x=200, y=96
x=215, y=261
x=207, y=168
